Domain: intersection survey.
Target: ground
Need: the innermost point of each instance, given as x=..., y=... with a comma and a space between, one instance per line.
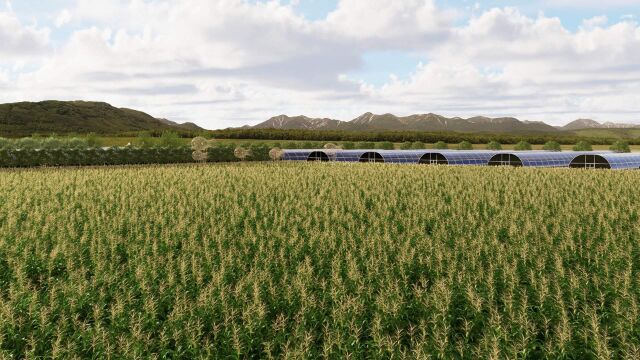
x=310, y=260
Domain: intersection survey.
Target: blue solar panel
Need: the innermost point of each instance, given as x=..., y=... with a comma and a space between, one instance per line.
x=623, y=161
x=296, y=155
x=464, y=157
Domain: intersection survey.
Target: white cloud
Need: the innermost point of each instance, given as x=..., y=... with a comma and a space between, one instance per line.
x=63, y=18
x=18, y=40
x=230, y=62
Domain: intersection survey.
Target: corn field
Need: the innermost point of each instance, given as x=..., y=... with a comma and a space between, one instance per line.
x=281, y=260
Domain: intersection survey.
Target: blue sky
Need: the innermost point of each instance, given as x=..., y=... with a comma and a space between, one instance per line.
x=242, y=61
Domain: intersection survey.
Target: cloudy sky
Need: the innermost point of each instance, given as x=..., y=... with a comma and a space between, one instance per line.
x=224, y=63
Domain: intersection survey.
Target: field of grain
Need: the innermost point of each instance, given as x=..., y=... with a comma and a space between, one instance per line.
x=319, y=260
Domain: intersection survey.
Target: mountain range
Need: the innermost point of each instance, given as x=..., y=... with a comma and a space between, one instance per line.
x=81, y=117
x=432, y=123
x=65, y=117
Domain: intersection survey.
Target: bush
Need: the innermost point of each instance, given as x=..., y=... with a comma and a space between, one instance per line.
x=552, y=146
x=418, y=145
x=75, y=143
x=27, y=144
x=465, y=145
x=93, y=141
x=406, y=145
x=170, y=139
x=144, y=140
x=291, y=145
x=522, y=146
x=583, y=146
x=494, y=145
x=385, y=145
x=5, y=143
x=441, y=145
x=620, y=147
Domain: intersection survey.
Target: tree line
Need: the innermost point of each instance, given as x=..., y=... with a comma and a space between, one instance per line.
x=407, y=136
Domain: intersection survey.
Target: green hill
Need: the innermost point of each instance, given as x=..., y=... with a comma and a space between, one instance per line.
x=81, y=117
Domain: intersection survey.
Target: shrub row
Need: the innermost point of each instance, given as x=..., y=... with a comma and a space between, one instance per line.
x=120, y=156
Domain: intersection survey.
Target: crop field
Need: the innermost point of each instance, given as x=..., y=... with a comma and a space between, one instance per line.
x=260, y=260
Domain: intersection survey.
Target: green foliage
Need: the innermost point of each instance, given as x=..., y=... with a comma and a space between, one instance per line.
x=583, y=146
x=620, y=147
x=93, y=141
x=522, y=146
x=78, y=117
x=441, y=145
x=76, y=143
x=5, y=143
x=494, y=145
x=465, y=145
x=27, y=144
x=169, y=139
x=265, y=260
x=418, y=145
x=552, y=146
x=385, y=145
x=412, y=136
x=348, y=145
x=145, y=140
x=365, y=145
x=406, y=145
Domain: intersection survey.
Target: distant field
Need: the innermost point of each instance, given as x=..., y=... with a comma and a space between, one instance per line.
x=319, y=260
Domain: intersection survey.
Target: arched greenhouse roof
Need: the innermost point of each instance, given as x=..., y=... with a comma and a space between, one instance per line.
x=607, y=161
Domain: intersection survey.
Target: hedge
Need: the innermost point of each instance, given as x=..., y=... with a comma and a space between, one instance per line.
x=120, y=156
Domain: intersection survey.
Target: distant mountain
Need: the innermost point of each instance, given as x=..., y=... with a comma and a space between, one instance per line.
x=421, y=122
x=582, y=124
x=63, y=117
x=187, y=125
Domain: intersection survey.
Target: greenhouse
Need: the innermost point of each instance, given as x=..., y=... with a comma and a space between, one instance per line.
x=599, y=160
x=606, y=161
x=297, y=155
x=534, y=159
x=461, y=157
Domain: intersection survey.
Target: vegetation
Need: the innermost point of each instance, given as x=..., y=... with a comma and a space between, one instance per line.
x=385, y=145
x=494, y=145
x=441, y=145
x=266, y=260
x=418, y=145
x=80, y=117
x=522, y=146
x=425, y=137
x=465, y=145
x=583, y=146
x=620, y=147
x=552, y=146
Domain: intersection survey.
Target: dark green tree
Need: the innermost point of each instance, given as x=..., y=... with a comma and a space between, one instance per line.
x=494, y=145
x=620, y=147
x=552, y=146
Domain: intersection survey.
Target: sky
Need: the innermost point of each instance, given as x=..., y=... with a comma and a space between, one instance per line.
x=228, y=63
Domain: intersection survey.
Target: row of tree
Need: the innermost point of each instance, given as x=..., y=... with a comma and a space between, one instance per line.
x=406, y=136
x=14, y=158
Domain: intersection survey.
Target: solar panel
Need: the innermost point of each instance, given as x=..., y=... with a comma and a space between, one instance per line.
x=596, y=159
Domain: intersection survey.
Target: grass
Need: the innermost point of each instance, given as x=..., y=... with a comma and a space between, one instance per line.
x=319, y=260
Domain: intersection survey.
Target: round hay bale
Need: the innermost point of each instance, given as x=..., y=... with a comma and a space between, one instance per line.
x=276, y=154
x=242, y=153
x=200, y=156
x=199, y=144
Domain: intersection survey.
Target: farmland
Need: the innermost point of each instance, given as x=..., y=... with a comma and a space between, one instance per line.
x=319, y=260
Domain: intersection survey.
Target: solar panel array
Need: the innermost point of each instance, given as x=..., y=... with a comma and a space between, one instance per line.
x=623, y=161
x=473, y=157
